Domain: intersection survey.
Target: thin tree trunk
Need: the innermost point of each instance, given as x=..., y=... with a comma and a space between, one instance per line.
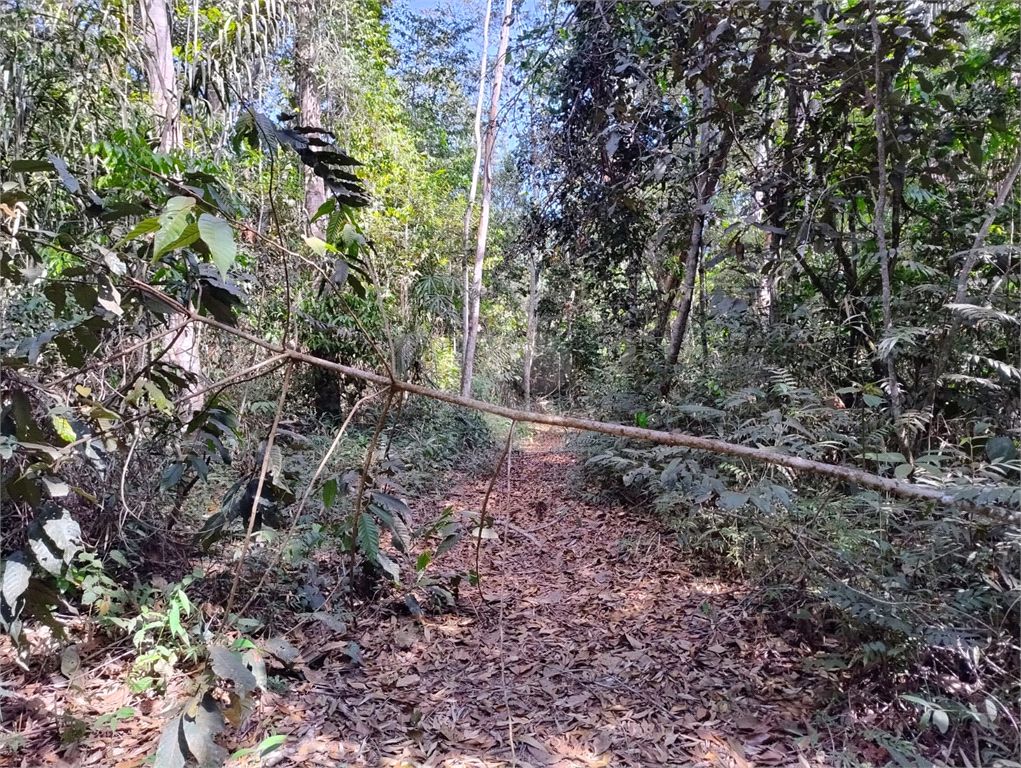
x=530, y=332
x=165, y=95
x=850, y=474
x=1006, y=185
x=471, y=338
x=884, y=253
x=465, y=285
x=159, y=69
x=307, y=90
x=705, y=188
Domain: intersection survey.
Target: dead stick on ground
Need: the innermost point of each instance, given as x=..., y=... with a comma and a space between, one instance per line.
x=485, y=504
x=304, y=499
x=266, y=458
x=503, y=591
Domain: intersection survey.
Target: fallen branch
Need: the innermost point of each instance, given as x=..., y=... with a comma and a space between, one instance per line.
x=678, y=439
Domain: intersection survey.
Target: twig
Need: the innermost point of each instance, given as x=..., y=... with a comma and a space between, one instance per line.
x=225, y=381
x=503, y=590
x=308, y=492
x=266, y=458
x=485, y=504
x=124, y=475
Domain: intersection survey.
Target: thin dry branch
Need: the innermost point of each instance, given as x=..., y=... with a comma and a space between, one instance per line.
x=485, y=505
x=365, y=479
x=266, y=458
x=838, y=472
x=308, y=492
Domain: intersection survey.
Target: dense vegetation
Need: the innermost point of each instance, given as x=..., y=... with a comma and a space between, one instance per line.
x=258, y=258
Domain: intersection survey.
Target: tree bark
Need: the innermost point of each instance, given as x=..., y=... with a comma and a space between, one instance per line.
x=465, y=285
x=159, y=69
x=475, y=299
x=884, y=253
x=306, y=87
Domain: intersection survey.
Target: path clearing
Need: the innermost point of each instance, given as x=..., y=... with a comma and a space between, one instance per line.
x=603, y=648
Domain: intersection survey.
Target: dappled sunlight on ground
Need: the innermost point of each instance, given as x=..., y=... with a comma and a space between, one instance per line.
x=590, y=645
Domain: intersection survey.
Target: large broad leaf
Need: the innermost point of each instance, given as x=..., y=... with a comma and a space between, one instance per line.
x=172, y=751
x=368, y=537
x=54, y=538
x=173, y=221
x=201, y=721
x=217, y=234
x=388, y=565
x=16, y=575
x=142, y=228
x=229, y=665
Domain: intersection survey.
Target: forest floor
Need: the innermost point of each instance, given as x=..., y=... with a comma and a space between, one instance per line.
x=590, y=644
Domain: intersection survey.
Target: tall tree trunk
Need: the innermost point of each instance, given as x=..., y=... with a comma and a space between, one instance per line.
x=159, y=69
x=465, y=285
x=165, y=94
x=307, y=91
x=709, y=169
x=530, y=332
x=884, y=253
x=475, y=299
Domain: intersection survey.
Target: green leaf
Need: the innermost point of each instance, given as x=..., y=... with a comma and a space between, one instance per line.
x=423, y=561
x=141, y=228
x=329, y=492
x=30, y=166
x=188, y=236
x=172, y=226
x=368, y=537
x=218, y=235
x=318, y=245
x=271, y=743
x=902, y=471
x=173, y=221
x=941, y=720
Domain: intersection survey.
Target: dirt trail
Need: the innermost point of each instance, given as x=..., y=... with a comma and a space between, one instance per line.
x=589, y=633
x=603, y=649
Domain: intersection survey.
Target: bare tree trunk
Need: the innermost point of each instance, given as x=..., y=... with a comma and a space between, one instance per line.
x=307, y=91
x=159, y=69
x=465, y=286
x=530, y=332
x=884, y=253
x=471, y=338
x=157, y=26
x=705, y=187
